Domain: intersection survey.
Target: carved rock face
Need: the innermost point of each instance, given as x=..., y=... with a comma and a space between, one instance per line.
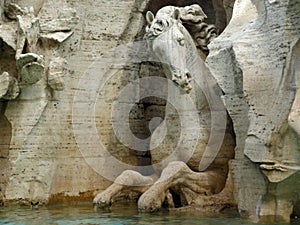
x=170, y=42
x=173, y=32
x=4, y=84
x=32, y=73
x=30, y=67
x=174, y=47
x=257, y=70
x=56, y=74
x=170, y=48
x=192, y=13
x=9, y=88
x=36, y=4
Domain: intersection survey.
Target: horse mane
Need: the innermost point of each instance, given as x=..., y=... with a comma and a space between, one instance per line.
x=192, y=18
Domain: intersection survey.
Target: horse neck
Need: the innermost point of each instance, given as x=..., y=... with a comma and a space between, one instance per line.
x=190, y=44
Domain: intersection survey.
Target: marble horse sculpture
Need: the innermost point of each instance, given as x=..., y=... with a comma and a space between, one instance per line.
x=171, y=41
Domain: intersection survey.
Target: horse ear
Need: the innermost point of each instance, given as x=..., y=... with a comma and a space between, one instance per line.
x=176, y=14
x=149, y=17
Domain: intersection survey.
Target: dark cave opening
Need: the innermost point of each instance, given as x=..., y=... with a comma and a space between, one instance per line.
x=176, y=199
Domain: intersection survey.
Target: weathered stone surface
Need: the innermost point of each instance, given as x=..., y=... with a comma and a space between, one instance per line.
x=26, y=58
x=4, y=84
x=12, y=10
x=43, y=161
x=31, y=73
x=25, y=5
x=28, y=34
x=188, y=163
x=31, y=68
x=9, y=88
x=56, y=72
x=57, y=36
x=7, y=34
x=254, y=60
x=66, y=22
x=13, y=89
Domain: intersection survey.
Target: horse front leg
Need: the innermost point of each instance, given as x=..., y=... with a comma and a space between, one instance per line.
x=178, y=176
x=128, y=181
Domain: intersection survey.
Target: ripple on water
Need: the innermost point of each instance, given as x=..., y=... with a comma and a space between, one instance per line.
x=120, y=214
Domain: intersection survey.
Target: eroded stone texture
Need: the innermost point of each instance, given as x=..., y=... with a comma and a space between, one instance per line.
x=44, y=162
x=4, y=82
x=32, y=170
x=56, y=72
x=255, y=62
x=9, y=88
x=23, y=6
x=177, y=159
x=261, y=41
x=5, y=133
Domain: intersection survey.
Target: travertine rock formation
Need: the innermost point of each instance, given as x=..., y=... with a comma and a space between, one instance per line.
x=56, y=43
x=9, y=87
x=200, y=181
x=48, y=46
x=256, y=63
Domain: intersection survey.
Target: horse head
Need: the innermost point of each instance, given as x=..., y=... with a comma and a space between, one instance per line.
x=170, y=43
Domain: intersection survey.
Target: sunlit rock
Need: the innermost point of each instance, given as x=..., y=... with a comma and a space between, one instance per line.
x=56, y=73
x=9, y=88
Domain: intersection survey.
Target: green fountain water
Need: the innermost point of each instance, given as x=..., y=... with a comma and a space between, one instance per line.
x=119, y=214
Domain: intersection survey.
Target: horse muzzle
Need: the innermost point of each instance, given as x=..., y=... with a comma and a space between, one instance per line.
x=183, y=80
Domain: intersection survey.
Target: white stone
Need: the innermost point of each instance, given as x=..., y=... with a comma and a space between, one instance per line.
x=56, y=72
x=4, y=84
x=9, y=88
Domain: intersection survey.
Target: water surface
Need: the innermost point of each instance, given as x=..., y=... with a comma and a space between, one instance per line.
x=120, y=214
